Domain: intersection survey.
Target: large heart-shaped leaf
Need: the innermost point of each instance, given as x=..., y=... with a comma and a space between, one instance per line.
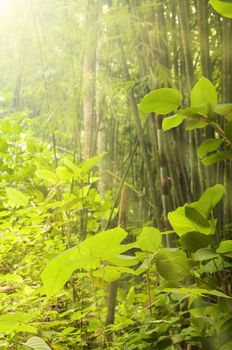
x=161, y=101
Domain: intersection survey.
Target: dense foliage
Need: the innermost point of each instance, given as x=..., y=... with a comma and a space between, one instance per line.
x=115, y=164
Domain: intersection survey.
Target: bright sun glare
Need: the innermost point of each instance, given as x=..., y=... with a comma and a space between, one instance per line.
x=3, y=4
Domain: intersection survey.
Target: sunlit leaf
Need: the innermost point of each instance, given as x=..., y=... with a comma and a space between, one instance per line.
x=204, y=93
x=172, y=122
x=161, y=101
x=88, y=164
x=149, y=239
x=225, y=247
x=222, y=7
x=47, y=175
x=193, y=241
x=37, y=343
x=16, y=198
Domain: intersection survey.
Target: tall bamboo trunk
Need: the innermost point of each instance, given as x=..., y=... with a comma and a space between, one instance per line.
x=89, y=79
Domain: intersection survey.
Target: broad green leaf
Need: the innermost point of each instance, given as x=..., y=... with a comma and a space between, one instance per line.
x=59, y=270
x=161, y=101
x=209, y=199
x=88, y=164
x=111, y=273
x=183, y=224
x=149, y=239
x=193, y=241
x=37, y=343
x=225, y=247
x=228, y=131
x=16, y=198
x=86, y=255
x=172, y=264
x=173, y=121
x=47, y=175
x=208, y=146
x=204, y=93
x=196, y=291
x=105, y=244
x=205, y=254
x=222, y=7
x=124, y=260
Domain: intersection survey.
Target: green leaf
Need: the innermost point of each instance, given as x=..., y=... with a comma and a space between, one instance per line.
x=225, y=110
x=73, y=167
x=195, y=216
x=25, y=328
x=64, y=174
x=216, y=157
x=86, y=255
x=88, y=164
x=37, y=343
x=172, y=264
x=194, y=123
x=225, y=247
x=209, y=145
x=193, y=112
x=193, y=241
x=173, y=121
x=182, y=224
x=222, y=7
x=10, y=322
x=204, y=93
x=196, y=291
x=205, y=254
x=228, y=131
x=47, y=175
x=16, y=198
x=209, y=199
x=108, y=274
x=124, y=260
x=149, y=239
x=161, y=101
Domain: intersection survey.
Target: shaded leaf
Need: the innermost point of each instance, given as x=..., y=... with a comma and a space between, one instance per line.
x=193, y=241
x=172, y=264
x=205, y=254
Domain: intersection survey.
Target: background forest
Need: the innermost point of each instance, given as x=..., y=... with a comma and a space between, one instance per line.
x=115, y=164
